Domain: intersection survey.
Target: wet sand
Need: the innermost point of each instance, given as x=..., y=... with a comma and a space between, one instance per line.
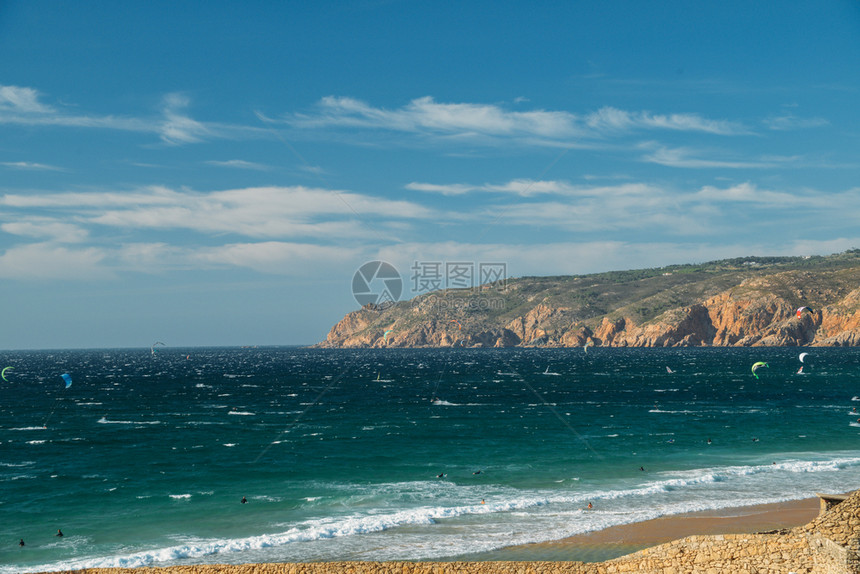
x=620, y=540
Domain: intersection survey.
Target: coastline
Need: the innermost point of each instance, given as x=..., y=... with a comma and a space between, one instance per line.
x=592, y=547
x=615, y=541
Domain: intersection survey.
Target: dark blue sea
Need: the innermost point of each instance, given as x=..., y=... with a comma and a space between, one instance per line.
x=399, y=454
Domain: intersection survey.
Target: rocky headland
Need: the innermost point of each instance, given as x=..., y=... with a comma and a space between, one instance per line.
x=751, y=301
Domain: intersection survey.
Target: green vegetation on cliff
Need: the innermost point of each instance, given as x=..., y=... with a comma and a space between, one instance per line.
x=568, y=310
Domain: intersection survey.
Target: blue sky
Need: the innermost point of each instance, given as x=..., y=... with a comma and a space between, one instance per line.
x=215, y=173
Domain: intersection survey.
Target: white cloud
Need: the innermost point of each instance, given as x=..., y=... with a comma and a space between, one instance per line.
x=178, y=128
x=299, y=259
x=153, y=195
x=42, y=227
x=681, y=157
x=425, y=114
x=252, y=212
x=21, y=105
x=450, y=189
x=750, y=193
x=239, y=164
x=791, y=122
x=41, y=261
x=428, y=117
x=29, y=166
x=578, y=258
x=21, y=100
x=609, y=118
x=532, y=187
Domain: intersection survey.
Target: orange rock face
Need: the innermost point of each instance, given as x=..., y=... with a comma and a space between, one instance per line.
x=753, y=317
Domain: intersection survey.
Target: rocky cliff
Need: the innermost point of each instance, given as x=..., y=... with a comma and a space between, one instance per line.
x=743, y=302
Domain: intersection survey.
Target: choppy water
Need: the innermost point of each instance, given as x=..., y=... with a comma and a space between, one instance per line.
x=145, y=458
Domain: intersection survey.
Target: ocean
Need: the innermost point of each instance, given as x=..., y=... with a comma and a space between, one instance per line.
x=399, y=454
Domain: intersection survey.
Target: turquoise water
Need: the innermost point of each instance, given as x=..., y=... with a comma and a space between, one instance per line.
x=145, y=458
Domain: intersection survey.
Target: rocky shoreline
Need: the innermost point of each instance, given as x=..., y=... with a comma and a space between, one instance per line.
x=740, y=308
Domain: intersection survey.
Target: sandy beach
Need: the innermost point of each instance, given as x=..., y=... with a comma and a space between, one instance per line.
x=591, y=547
x=620, y=540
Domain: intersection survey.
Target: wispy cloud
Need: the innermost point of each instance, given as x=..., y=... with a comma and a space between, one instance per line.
x=686, y=158
x=592, y=256
x=271, y=257
x=251, y=212
x=788, y=122
x=239, y=164
x=751, y=194
x=609, y=118
x=177, y=127
x=25, y=106
x=428, y=117
x=20, y=100
x=531, y=187
x=46, y=228
x=29, y=166
x=42, y=261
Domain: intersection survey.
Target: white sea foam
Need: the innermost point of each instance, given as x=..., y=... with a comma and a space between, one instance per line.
x=105, y=421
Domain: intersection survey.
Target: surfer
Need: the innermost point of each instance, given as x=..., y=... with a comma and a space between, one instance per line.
x=590, y=506
x=59, y=532
x=642, y=468
x=477, y=472
x=709, y=441
x=21, y=543
x=244, y=500
x=440, y=475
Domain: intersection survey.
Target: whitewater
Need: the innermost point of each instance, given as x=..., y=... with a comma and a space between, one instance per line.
x=399, y=454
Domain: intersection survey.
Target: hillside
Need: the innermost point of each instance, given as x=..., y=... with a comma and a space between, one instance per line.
x=746, y=301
